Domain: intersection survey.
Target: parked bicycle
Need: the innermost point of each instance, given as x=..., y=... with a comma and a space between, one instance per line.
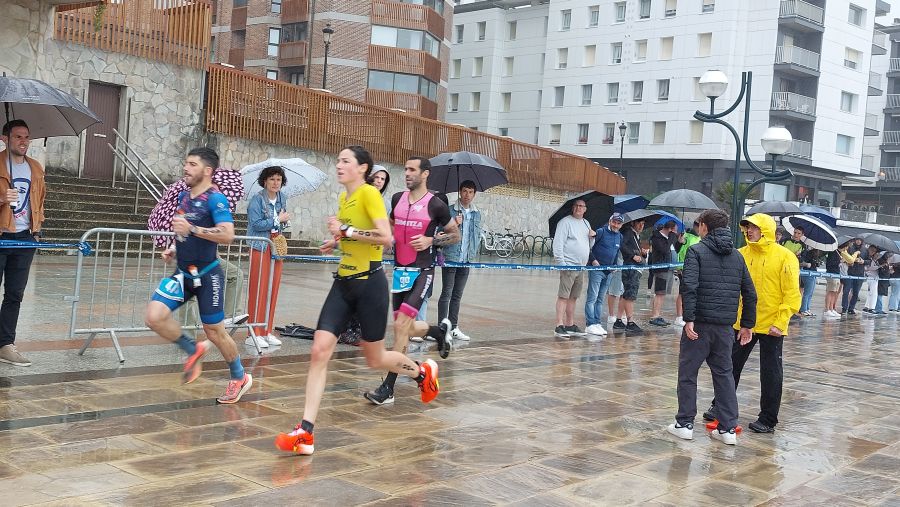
x=518, y=242
x=492, y=243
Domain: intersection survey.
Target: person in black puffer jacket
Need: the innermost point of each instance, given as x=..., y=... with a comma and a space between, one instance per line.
x=716, y=281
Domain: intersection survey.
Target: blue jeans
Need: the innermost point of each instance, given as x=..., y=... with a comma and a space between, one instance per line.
x=894, y=302
x=809, y=287
x=598, y=284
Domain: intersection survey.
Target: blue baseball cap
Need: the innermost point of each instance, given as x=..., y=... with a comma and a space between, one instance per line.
x=617, y=217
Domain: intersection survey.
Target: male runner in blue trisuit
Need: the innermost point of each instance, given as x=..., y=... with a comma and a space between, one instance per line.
x=202, y=221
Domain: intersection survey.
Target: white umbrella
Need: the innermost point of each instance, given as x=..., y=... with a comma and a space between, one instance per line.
x=816, y=233
x=301, y=176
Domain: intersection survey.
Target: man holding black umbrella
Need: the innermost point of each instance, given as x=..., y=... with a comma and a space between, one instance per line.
x=22, y=195
x=571, y=247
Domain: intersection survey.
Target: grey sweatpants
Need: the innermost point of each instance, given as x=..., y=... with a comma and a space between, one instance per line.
x=713, y=346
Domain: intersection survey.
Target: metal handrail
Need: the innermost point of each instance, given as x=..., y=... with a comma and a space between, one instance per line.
x=893, y=100
x=891, y=137
x=800, y=148
x=879, y=39
x=790, y=101
x=798, y=56
x=894, y=65
x=802, y=9
x=135, y=165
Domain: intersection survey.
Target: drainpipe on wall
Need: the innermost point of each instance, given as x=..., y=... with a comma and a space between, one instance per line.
x=309, y=38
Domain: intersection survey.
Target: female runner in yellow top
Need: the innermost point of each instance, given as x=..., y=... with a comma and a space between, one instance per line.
x=360, y=289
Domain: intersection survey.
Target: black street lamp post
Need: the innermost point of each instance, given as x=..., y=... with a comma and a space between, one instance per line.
x=326, y=37
x=622, y=128
x=775, y=140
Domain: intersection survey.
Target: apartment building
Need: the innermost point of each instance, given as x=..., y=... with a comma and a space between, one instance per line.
x=391, y=53
x=567, y=73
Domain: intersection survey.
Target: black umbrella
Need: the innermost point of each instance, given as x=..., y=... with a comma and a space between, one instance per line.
x=448, y=170
x=643, y=215
x=775, y=209
x=49, y=112
x=880, y=242
x=599, y=209
x=683, y=198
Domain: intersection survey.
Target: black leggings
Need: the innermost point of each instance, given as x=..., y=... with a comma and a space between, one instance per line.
x=363, y=298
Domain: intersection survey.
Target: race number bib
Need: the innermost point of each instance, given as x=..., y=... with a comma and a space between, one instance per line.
x=404, y=278
x=172, y=288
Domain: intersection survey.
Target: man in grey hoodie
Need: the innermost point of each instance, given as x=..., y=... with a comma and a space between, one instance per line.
x=571, y=247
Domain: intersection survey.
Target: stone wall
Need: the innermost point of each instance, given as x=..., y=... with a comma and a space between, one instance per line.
x=519, y=208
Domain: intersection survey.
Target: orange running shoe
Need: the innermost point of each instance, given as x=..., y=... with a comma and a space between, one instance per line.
x=712, y=425
x=236, y=389
x=297, y=441
x=193, y=365
x=430, y=386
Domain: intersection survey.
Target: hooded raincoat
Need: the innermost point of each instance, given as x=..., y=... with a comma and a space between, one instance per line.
x=775, y=272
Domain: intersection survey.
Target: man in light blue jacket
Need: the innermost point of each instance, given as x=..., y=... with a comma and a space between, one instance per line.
x=468, y=219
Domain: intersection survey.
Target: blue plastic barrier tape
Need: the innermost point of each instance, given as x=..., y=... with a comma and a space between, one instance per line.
x=82, y=247
x=494, y=265
x=819, y=274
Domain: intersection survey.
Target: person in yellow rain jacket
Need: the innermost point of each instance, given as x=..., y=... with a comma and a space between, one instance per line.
x=775, y=271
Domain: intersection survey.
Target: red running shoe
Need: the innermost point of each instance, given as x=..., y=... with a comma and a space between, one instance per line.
x=429, y=385
x=712, y=425
x=193, y=365
x=297, y=441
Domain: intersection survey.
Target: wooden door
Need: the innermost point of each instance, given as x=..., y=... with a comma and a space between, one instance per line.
x=103, y=99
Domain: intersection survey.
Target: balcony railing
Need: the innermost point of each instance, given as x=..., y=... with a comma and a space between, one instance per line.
x=894, y=65
x=879, y=39
x=409, y=102
x=871, y=121
x=789, y=101
x=239, y=18
x=404, y=15
x=797, y=56
x=893, y=100
x=875, y=80
x=800, y=149
x=248, y=106
x=803, y=10
x=292, y=54
x=178, y=33
x=891, y=137
x=869, y=217
x=293, y=11
x=891, y=173
x=407, y=61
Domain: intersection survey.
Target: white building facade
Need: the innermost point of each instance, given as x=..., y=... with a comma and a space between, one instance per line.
x=566, y=73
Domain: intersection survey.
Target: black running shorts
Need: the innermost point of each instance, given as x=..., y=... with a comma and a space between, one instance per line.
x=364, y=298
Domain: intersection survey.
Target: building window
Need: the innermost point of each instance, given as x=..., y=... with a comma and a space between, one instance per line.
x=562, y=58
x=704, y=44
x=671, y=8
x=662, y=90
x=640, y=50
x=659, y=132
x=238, y=38
x=540, y=99
x=475, y=102
x=555, y=129
x=619, y=12
x=239, y=3
x=543, y=61
x=609, y=133
x=482, y=30
x=587, y=91
x=852, y=58
x=593, y=16
x=612, y=93
x=405, y=38
x=274, y=40
x=453, y=103
x=546, y=25
x=272, y=74
x=296, y=78
x=293, y=32
x=276, y=6
x=857, y=15
x=844, y=145
x=511, y=30
x=696, y=132
x=634, y=132
x=559, y=96
x=503, y=132
x=477, y=66
x=644, y=9
x=437, y=5
x=403, y=83
x=848, y=102
x=505, y=101
x=508, y=65
x=615, y=53
x=583, y=132
x=665, y=47
x=456, y=69
x=537, y=135
x=637, y=91
x=565, y=19
x=590, y=55
x=460, y=30
x=698, y=94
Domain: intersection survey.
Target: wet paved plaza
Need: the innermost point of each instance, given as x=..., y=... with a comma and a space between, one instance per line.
x=523, y=418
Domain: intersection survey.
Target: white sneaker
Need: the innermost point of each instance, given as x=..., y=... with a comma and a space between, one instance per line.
x=459, y=335
x=679, y=321
x=273, y=340
x=596, y=329
x=417, y=339
x=831, y=314
x=727, y=438
x=237, y=320
x=260, y=341
x=685, y=432
x=611, y=319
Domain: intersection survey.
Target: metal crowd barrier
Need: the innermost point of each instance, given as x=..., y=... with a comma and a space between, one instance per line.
x=118, y=271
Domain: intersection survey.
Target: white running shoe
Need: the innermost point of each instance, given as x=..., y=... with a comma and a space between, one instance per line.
x=727, y=437
x=685, y=432
x=260, y=341
x=273, y=340
x=596, y=329
x=457, y=334
x=679, y=321
x=611, y=319
x=237, y=320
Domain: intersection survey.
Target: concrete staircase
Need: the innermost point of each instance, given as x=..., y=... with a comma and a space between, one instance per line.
x=75, y=205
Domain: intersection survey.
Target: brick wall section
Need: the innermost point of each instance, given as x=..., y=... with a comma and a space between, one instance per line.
x=256, y=8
